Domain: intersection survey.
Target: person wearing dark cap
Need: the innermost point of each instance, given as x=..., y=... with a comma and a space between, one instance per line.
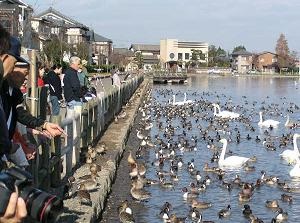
x=16, y=209
x=12, y=98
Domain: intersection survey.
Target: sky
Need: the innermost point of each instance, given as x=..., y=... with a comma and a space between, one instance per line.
x=256, y=24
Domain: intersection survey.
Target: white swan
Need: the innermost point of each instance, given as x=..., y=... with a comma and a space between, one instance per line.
x=187, y=101
x=177, y=102
x=291, y=155
x=231, y=161
x=267, y=123
x=224, y=114
x=289, y=123
x=295, y=172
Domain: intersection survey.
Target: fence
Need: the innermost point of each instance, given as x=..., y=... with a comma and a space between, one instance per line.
x=84, y=126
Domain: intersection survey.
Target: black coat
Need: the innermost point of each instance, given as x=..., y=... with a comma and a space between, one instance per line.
x=54, y=84
x=15, y=104
x=71, y=85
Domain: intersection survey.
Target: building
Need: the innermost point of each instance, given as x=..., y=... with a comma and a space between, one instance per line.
x=242, y=61
x=266, y=62
x=173, y=52
x=101, y=48
x=150, y=54
x=73, y=31
x=15, y=17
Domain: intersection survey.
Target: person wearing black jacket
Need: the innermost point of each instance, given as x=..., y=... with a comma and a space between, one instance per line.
x=16, y=209
x=55, y=89
x=72, y=89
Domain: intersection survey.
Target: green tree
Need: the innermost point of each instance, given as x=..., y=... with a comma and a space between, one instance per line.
x=239, y=48
x=196, y=57
x=139, y=60
x=217, y=57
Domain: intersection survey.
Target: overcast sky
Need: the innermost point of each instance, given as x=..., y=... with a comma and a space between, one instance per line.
x=256, y=24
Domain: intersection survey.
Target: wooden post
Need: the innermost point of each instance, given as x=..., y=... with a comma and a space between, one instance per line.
x=56, y=150
x=33, y=73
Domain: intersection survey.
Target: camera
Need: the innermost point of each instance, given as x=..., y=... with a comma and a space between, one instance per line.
x=40, y=205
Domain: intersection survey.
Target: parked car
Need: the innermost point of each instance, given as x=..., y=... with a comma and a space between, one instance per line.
x=251, y=71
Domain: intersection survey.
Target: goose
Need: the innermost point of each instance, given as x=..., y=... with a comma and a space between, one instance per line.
x=291, y=155
x=295, y=172
x=231, y=161
x=224, y=114
x=267, y=123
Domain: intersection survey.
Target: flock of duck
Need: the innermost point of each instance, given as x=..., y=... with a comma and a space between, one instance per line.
x=194, y=148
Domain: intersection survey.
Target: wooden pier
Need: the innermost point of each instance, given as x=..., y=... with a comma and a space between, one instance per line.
x=173, y=78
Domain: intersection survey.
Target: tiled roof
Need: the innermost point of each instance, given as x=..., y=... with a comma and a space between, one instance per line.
x=264, y=52
x=59, y=14
x=145, y=47
x=123, y=51
x=97, y=38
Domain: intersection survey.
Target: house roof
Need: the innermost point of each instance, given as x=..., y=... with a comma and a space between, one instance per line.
x=145, y=47
x=123, y=51
x=97, y=38
x=73, y=22
x=19, y=2
x=265, y=52
x=242, y=53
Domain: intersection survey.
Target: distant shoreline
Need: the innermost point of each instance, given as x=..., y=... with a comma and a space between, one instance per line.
x=245, y=75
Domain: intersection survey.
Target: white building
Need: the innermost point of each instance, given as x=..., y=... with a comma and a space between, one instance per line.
x=172, y=51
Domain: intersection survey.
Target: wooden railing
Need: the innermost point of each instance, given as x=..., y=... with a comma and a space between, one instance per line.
x=84, y=126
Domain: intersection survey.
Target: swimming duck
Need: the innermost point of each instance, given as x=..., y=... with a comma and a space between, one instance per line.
x=272, y=204
x=281, y=216
x=200, y=204
x=247, y=211
x=194, y=213
x=175, y=219
x=187, y=194
x=226, y=212
x=287, y=198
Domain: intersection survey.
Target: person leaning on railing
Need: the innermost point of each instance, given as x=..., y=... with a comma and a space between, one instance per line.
x=16, y=209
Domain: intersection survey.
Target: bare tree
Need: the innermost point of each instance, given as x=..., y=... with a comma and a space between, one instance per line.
x=283, y=52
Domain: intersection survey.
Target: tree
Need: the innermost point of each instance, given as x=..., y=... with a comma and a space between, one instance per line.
x=82, y=50
x=196, y=57
x=53, y=51
x=139, y=60
x=283, y=52
x=217, y=57
x=239, y=48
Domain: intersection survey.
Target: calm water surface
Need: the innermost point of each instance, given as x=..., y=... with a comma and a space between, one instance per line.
x=252, y=93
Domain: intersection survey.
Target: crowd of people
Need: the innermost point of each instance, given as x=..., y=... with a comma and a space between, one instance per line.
x=67, y=88
x=16, y=123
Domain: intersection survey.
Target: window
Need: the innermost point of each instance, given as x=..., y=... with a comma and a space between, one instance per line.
x=179, y=56
x=274, y=60
x=7, y=24
x=187, y=56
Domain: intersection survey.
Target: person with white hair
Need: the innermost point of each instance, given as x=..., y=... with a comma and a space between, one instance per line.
x=72, y=87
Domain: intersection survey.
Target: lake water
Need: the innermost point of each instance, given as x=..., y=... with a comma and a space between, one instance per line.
x=276, y=97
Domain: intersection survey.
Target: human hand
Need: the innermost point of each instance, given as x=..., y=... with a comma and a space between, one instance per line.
x=52, y=129
x=15, y=211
